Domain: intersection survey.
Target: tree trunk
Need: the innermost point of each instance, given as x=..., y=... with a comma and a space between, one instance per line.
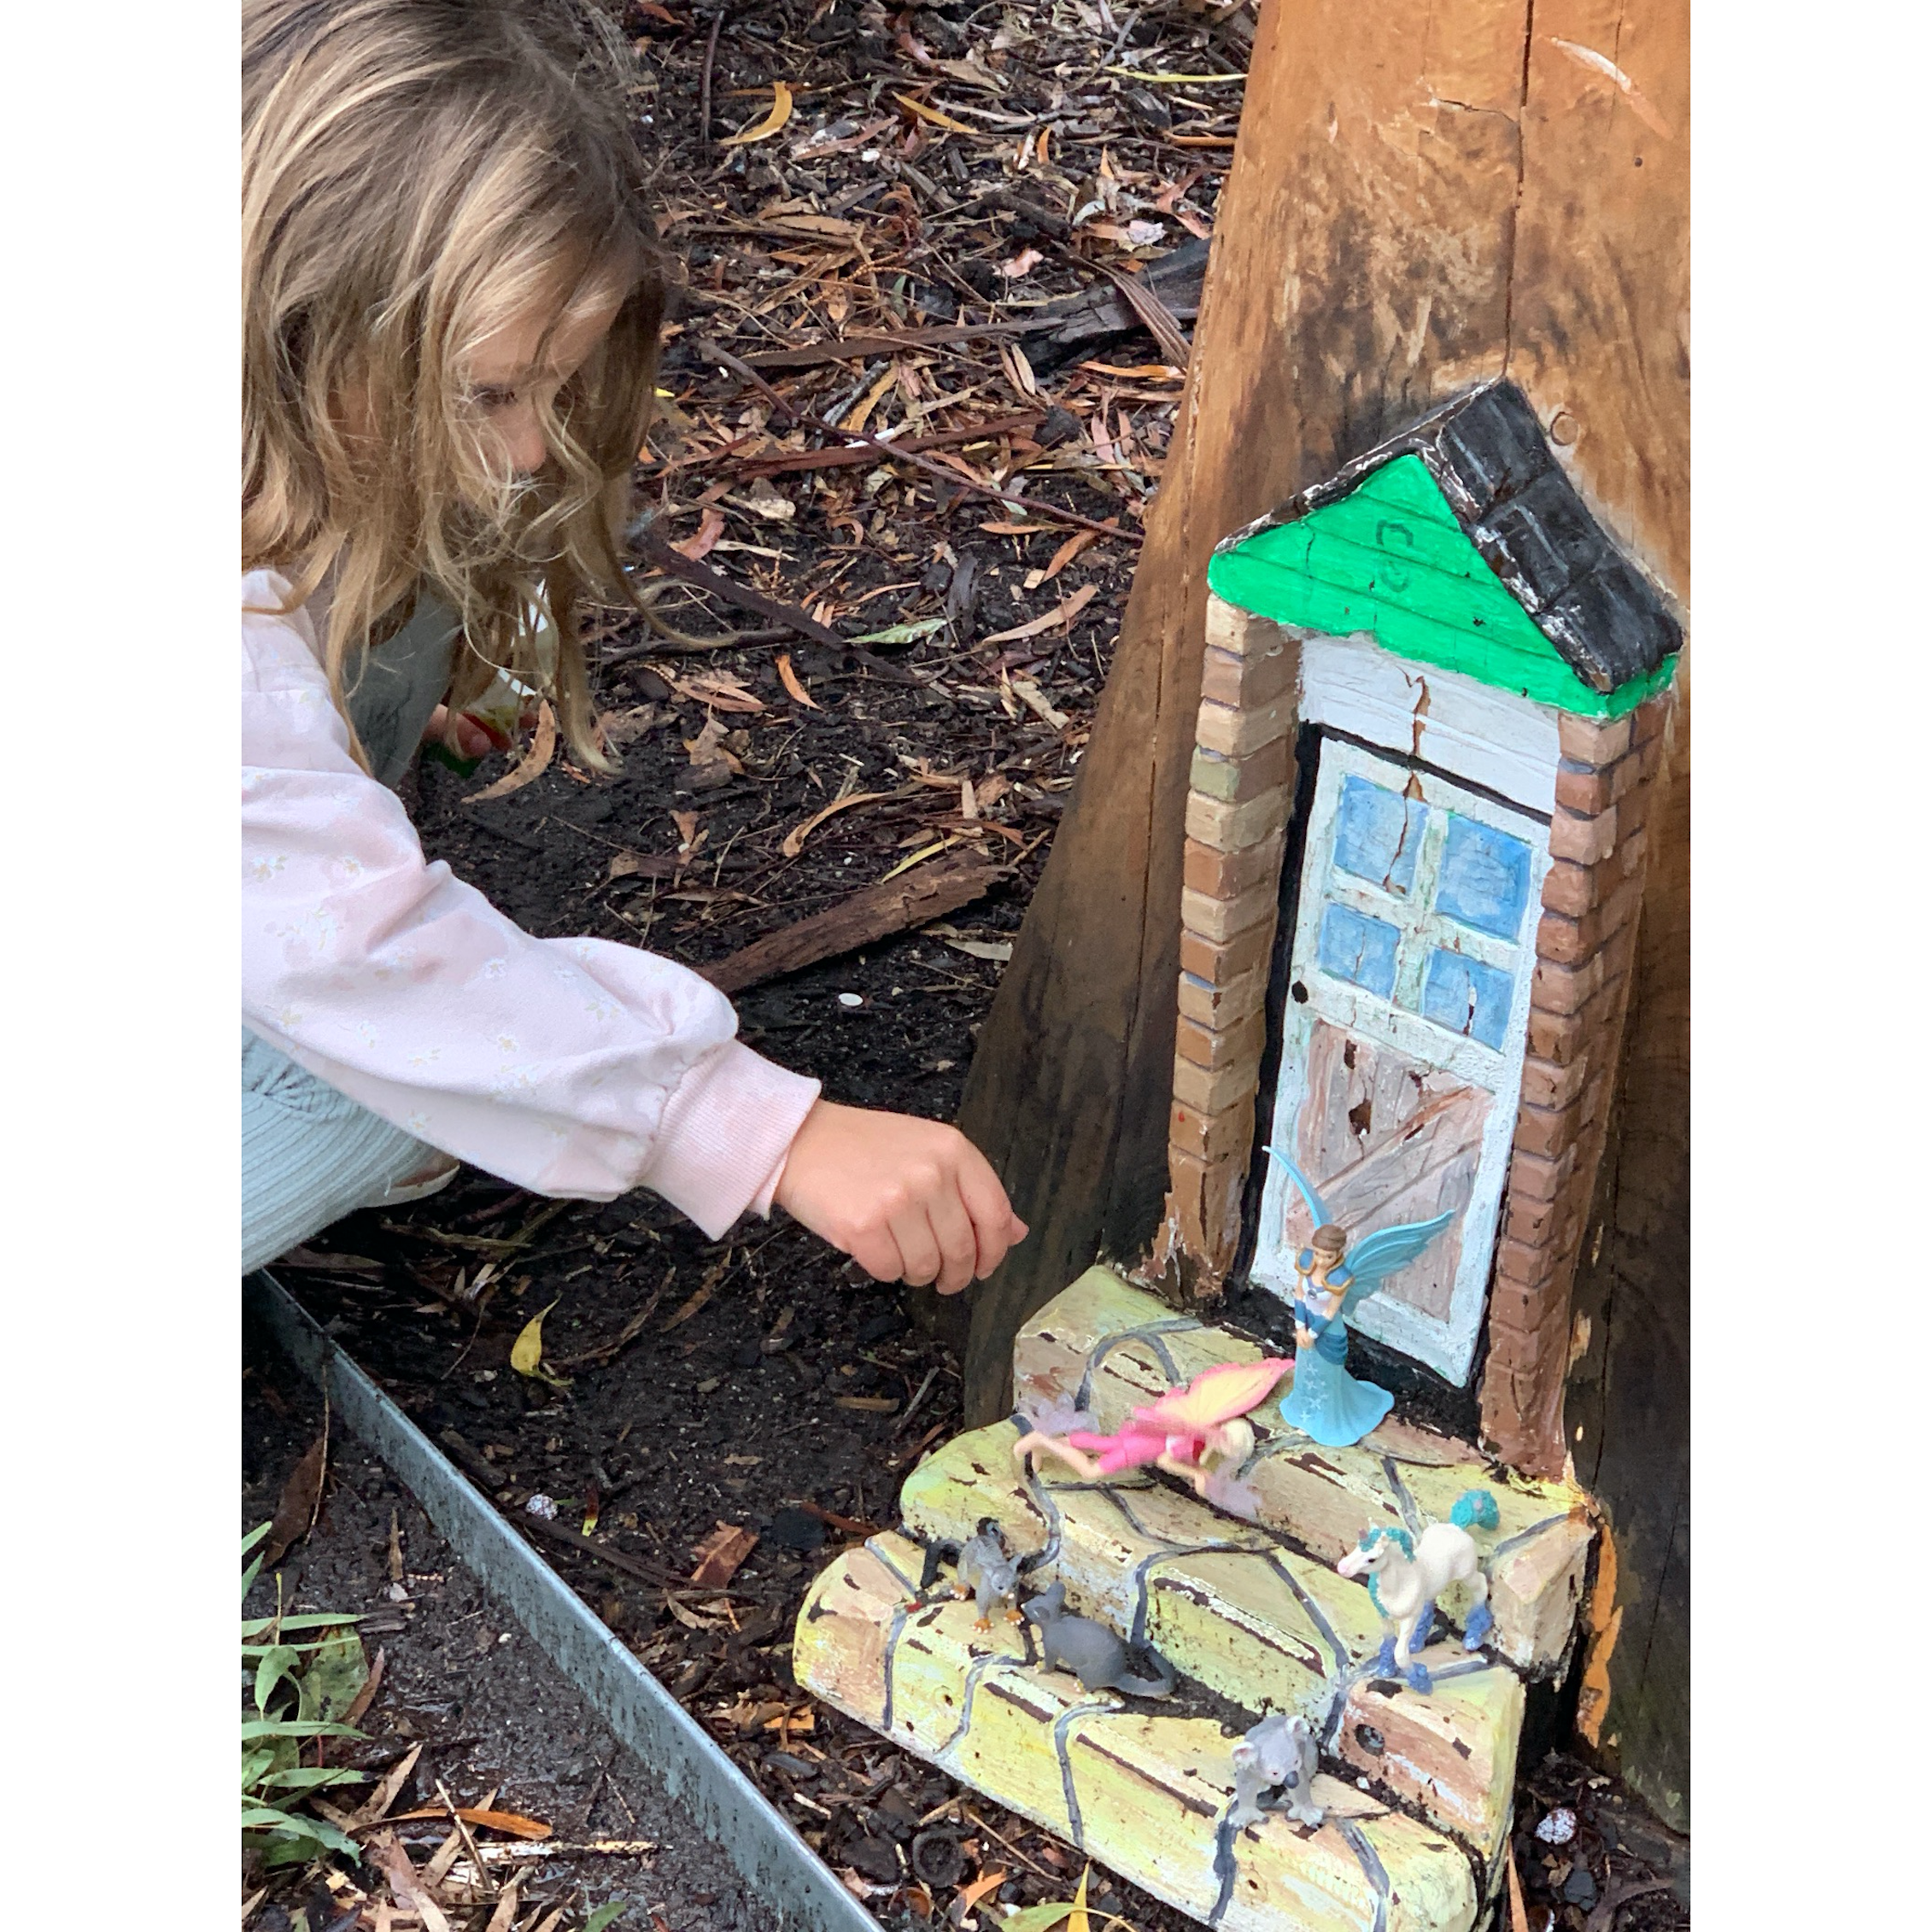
x=1425, y=194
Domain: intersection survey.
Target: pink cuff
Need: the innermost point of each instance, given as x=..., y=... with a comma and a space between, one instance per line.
x=724, y=1136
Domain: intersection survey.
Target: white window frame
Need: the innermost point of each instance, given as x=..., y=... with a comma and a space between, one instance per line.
x=1447, y=1345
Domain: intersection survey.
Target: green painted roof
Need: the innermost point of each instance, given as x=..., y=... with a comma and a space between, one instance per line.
x=1390, y=559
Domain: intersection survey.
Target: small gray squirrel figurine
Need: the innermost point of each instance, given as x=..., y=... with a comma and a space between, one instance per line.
x=1278, y=1751
x=988, y=1574
x=1090, y=1651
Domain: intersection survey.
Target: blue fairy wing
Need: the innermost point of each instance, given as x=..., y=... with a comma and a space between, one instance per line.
x=1376, y=1257
x=1301, y=1182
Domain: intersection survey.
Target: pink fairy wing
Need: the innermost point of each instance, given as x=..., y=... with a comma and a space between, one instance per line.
x=1216, y=1395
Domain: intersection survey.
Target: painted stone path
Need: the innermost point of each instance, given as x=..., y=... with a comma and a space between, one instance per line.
x=1418, y=1811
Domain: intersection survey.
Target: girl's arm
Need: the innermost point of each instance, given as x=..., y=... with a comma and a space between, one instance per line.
x=572, y=1067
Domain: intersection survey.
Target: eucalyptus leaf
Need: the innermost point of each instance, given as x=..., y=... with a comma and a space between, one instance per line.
x=902, y=633
x=253, y=1728
x=278, y=1662
x=1037, y=1918
x=604, y=1915
x=310, y=1777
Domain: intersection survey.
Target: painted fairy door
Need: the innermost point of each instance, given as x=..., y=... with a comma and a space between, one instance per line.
x=1403, y=1034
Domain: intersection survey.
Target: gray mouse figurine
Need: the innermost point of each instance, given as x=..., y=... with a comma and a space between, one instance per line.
x=1091, y=1651
x=988, y=1574
x=1279, y=1750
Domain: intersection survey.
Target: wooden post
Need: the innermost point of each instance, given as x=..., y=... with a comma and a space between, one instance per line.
x=1425, y=194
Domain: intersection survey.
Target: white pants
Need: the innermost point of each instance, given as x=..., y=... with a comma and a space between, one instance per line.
x=310, y=1155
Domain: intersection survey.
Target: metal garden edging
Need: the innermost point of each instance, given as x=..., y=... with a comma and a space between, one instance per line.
x=780, y=1870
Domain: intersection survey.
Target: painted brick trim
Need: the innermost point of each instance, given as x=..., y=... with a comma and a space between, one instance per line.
x=1241, y=786
x=1579, y=994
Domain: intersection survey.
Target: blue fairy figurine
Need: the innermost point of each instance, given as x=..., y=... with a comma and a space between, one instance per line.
x=1327, y=1402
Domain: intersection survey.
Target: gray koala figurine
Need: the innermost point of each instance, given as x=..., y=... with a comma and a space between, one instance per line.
x=988, y=1574
x=1091, y=1651
x=1279, y=1750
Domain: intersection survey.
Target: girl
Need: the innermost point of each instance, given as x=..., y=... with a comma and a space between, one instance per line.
x=450, y=317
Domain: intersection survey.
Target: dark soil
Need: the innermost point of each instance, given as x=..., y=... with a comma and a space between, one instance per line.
x=461, y=1678
x=764, y=1383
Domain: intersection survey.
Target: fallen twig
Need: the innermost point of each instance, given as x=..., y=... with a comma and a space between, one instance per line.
x=951, y=478
x=872, y=913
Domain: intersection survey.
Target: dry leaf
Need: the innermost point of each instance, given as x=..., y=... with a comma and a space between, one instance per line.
x=871, y=1405
x=526, y=1357
x=365, y=1697
x=711, y=527
x=504, y=1917
x=781, y=113
x=300, y=1498
x=376, y=1805
x=722, y=690
x=1076, y=1919
x=793, y=841
x=707, y=749
x=1519, y=1919
x=855, y=421
x=1034, y=700
x=689, y=837
x=720, y=1555
x=1067, y=551
x=794, y=685
x=1019, y=370
x=1022, y=264
x=970, y=1895
x=531, y=766
x=623, y=727
x=1063, y=612
x=932, y=115
x=387, y=1854
x=696, y=1299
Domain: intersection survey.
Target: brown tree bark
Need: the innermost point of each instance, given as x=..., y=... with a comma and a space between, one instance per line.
x=1425, y=194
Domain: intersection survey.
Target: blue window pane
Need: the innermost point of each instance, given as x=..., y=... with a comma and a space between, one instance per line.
x=1378, y=835
x=1467, y=996
x=1360, y=950
x=1485, y=878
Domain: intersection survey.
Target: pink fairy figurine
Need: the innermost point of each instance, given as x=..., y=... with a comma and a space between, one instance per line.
x=1194, y=1431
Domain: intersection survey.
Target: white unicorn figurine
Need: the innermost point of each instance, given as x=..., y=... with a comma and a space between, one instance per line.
x=1406, y=1574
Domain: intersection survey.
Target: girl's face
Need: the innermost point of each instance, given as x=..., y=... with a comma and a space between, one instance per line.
x=515, y=374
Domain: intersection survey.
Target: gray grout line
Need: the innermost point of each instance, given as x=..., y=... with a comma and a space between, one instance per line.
x=781, y=1871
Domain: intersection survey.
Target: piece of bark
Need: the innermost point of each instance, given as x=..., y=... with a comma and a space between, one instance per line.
x=873, y=912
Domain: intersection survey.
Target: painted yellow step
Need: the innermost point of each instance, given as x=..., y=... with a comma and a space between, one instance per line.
x=1106, y=1346
x=1145, y=1794
x=1264, y=1627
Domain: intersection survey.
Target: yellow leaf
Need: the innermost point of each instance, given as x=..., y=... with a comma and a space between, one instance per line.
x=793, y=683
x=781, y=113
x=1076, y=1919
x=533, y=764
x=932, y=115
x=527, y=1353
x=917, y=858
x=793, y=841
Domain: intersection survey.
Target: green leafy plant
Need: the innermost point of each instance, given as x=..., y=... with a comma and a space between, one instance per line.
x=308, y=1670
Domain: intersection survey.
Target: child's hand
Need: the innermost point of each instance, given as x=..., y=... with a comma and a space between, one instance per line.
x=909, y=1200
x=467, y=738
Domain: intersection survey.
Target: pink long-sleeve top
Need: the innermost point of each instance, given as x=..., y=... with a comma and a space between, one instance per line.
x=571, y=1067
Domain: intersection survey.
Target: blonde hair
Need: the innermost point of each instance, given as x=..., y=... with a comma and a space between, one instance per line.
x=415, y=173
